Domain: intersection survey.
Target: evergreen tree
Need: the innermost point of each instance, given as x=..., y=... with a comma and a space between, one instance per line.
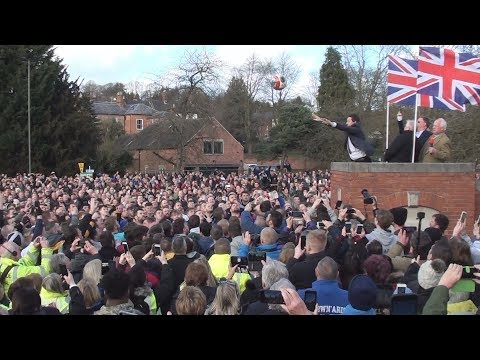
x=234, y=114
x=295, y=126
x=62, y=125
x=335, y=94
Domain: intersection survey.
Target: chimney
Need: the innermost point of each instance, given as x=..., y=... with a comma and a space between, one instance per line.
x=120, y=99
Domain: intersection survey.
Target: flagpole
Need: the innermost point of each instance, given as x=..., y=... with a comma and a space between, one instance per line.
x=415, y=128
x=386, y=135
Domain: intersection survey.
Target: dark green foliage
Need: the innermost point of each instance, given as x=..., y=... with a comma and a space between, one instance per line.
x=62, y=123
x=235, y=100
x=294, y=127
x=335, y=94
x=111, y=157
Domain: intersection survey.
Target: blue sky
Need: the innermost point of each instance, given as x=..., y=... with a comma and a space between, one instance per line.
x=126, y=63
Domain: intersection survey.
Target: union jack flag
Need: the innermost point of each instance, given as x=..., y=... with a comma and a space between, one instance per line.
x=402, y=86
x=449, y=75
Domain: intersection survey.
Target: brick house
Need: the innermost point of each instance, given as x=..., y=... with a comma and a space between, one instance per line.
x=133, y=117
x=207, y=145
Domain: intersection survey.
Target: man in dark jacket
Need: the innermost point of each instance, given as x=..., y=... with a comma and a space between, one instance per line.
x=359, y=149
x=302, y=272
x=400, y=150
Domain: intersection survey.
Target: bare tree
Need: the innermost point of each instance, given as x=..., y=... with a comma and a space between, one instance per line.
x=310, y=91
x=254, y=73
x=367, y=68
x=195, y=78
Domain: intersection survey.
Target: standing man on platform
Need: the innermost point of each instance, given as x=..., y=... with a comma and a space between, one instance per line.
x=359, y=149
x=422, y=134
x=438, y=148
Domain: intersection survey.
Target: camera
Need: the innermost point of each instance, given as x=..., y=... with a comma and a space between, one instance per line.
x=63, y=269
x=348, y=227
x=467, y=272
x=255, y=239
x=401, y=288
x=157, y=250
x=271, y=296
x=404, y=304
x=420, y=215
x=241, y=261
x=310, y=299
x=303, y=241
x=367, y=198
x=105, y=267
x=410, y=229
x=297, y=214
x=255, y=260
x=125, y=247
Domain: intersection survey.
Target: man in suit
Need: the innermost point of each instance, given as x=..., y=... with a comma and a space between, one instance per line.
x=359, y=149
x=400, y=150
x=422, y=135
x=437, y=148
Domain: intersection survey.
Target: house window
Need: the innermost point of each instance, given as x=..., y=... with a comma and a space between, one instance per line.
x=213, y=147
x=139, y=124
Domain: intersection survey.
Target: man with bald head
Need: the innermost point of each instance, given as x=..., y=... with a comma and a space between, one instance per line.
x=16, y=267
x=268, y=244
x=438, y=148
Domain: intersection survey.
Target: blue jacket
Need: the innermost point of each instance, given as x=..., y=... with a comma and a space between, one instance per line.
x=331, y=298
x=246, y=220
x=272, y=250
x=349, y=310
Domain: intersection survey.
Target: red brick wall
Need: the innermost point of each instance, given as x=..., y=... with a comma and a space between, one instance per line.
x=232, y=152
x=446, y=192
x=232, y=149
x=131, y=123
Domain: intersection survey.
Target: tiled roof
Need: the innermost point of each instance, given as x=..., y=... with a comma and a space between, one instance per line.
x=107, y=108
x=160, y=135
x=112, y=108
x=140, y=109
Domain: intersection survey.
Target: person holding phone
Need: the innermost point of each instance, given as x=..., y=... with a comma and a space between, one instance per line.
x=331, y=298
x=383, y=221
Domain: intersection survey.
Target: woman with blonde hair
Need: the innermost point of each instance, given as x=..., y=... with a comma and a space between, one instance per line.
x=93, y=270
x=227, y=299
x=91, y=295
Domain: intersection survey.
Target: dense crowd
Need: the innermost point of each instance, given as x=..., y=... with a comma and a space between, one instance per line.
x=258, y=243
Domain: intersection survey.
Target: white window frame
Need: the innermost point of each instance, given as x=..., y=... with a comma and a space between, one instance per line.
x=213, y=146
x=136, y=123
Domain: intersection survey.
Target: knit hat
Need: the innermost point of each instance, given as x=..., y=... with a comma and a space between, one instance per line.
x=399, y=215
x=362, y=293
x=430, y=273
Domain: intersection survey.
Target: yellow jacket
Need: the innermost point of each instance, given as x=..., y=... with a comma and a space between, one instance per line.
x=26, y=265
x=219, y=265
x=59, y=300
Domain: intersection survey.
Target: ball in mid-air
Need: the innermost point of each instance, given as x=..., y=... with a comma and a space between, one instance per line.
x=279, y=82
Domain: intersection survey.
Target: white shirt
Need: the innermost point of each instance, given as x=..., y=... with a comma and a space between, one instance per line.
x=419, y=133
x=353, y=152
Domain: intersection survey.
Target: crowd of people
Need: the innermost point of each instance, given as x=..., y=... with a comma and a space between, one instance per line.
x=220, y=244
